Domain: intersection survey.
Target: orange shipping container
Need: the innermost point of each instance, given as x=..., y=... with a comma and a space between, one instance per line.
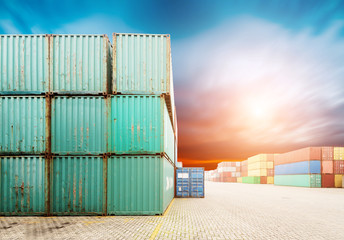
x=304, y=154
x=327, y=153
x=327, y=166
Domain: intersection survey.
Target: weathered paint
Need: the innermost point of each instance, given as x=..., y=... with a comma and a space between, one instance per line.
x=79, y=125
x=23, y=125
x=24, y=63
x=338, y=180
x=141, y=125
x=299, y=180
x=139, y=185
x=77, y=185
x=141, y=64
x=22, y=185
x=338, y=153
x=80, y=64
x=190, y=182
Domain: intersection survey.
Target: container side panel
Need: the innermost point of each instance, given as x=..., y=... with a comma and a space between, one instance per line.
x=135, y=185
x=169, y=140
x=197, y=182
x=305, y=167
x=168, y=183
x=24, y=63
x=79, y=63
x=79, y=125
x=22, y=185
x=77, y=185
x=141, y=63
x=302, y=180
x=22, y=121
x=136, y=124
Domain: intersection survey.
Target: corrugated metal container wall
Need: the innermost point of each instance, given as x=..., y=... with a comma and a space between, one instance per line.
x=338, y=167
x=80, y=63
x=22, y=185
x=136, y=185
x=141, y=64
x=304, y=154
x=22, y=121
x=168, y=184
x=306, y=180
x=141, y=125
x=298, y=168
x=338, y=153
x=338, y=180
x=77, y=185
x=327, y=180
x=79, y=125
x=23, y=63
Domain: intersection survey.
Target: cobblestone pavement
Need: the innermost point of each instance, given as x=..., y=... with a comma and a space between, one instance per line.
x=229, y=211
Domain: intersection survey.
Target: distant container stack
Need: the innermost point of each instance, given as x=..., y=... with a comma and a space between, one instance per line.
x=338, y=166
x=301, y=168
x=80, y=114
x=229, y=171
x=260, y=169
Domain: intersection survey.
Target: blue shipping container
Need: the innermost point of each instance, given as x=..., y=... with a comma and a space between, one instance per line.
x=304, y=167
x=190, y=182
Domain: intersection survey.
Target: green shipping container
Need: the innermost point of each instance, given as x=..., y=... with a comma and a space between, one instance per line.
x=252, y=180
x=306, y=180
x=77, y=185
x=142, y=64
x=22, y=125
x=79, y=125
x=139, y=185
x=80, y=64
x=22, y=185
x=24, y=63
x=141, y=125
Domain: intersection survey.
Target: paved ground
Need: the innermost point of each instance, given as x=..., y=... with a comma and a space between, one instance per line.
x=229, y=211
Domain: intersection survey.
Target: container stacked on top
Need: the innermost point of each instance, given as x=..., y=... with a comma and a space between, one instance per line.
x=338, y=166
x=69, y=144
x=327, y=173
x=228, y=171
x=301, y=168
x=260, y=169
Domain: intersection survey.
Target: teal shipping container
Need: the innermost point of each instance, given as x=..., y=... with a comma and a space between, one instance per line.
x=139, y=185
x=141, y=125
x=24, y=64
x=77, y=185
x=304, y=180
x=142, y=64
x=80, y=64
x=23, y=125
x=79, y=125
x=22, y=185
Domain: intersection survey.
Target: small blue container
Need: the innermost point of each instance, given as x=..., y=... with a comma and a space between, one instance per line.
x=190, y=182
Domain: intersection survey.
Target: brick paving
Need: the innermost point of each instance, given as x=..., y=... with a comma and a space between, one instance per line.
x=229, y=211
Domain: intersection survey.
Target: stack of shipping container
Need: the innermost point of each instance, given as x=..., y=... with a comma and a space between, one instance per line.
x=244, y=171
x=259, y=169
x=87, y=128
x=300, y=168
x=338, y=166
x=228, y=171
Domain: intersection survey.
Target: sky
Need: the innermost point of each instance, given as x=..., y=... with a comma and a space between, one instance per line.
x=250, y=76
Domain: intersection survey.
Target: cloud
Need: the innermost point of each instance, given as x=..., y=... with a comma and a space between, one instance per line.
x=260, y=85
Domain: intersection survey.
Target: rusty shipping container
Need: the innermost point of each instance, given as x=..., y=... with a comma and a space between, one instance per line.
x=24, y=64
x=79, y=125
x=327, y=180
x=23, y=185
x=23, y=125
x=338, y=167
x=78, y=185
x=80, y=64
